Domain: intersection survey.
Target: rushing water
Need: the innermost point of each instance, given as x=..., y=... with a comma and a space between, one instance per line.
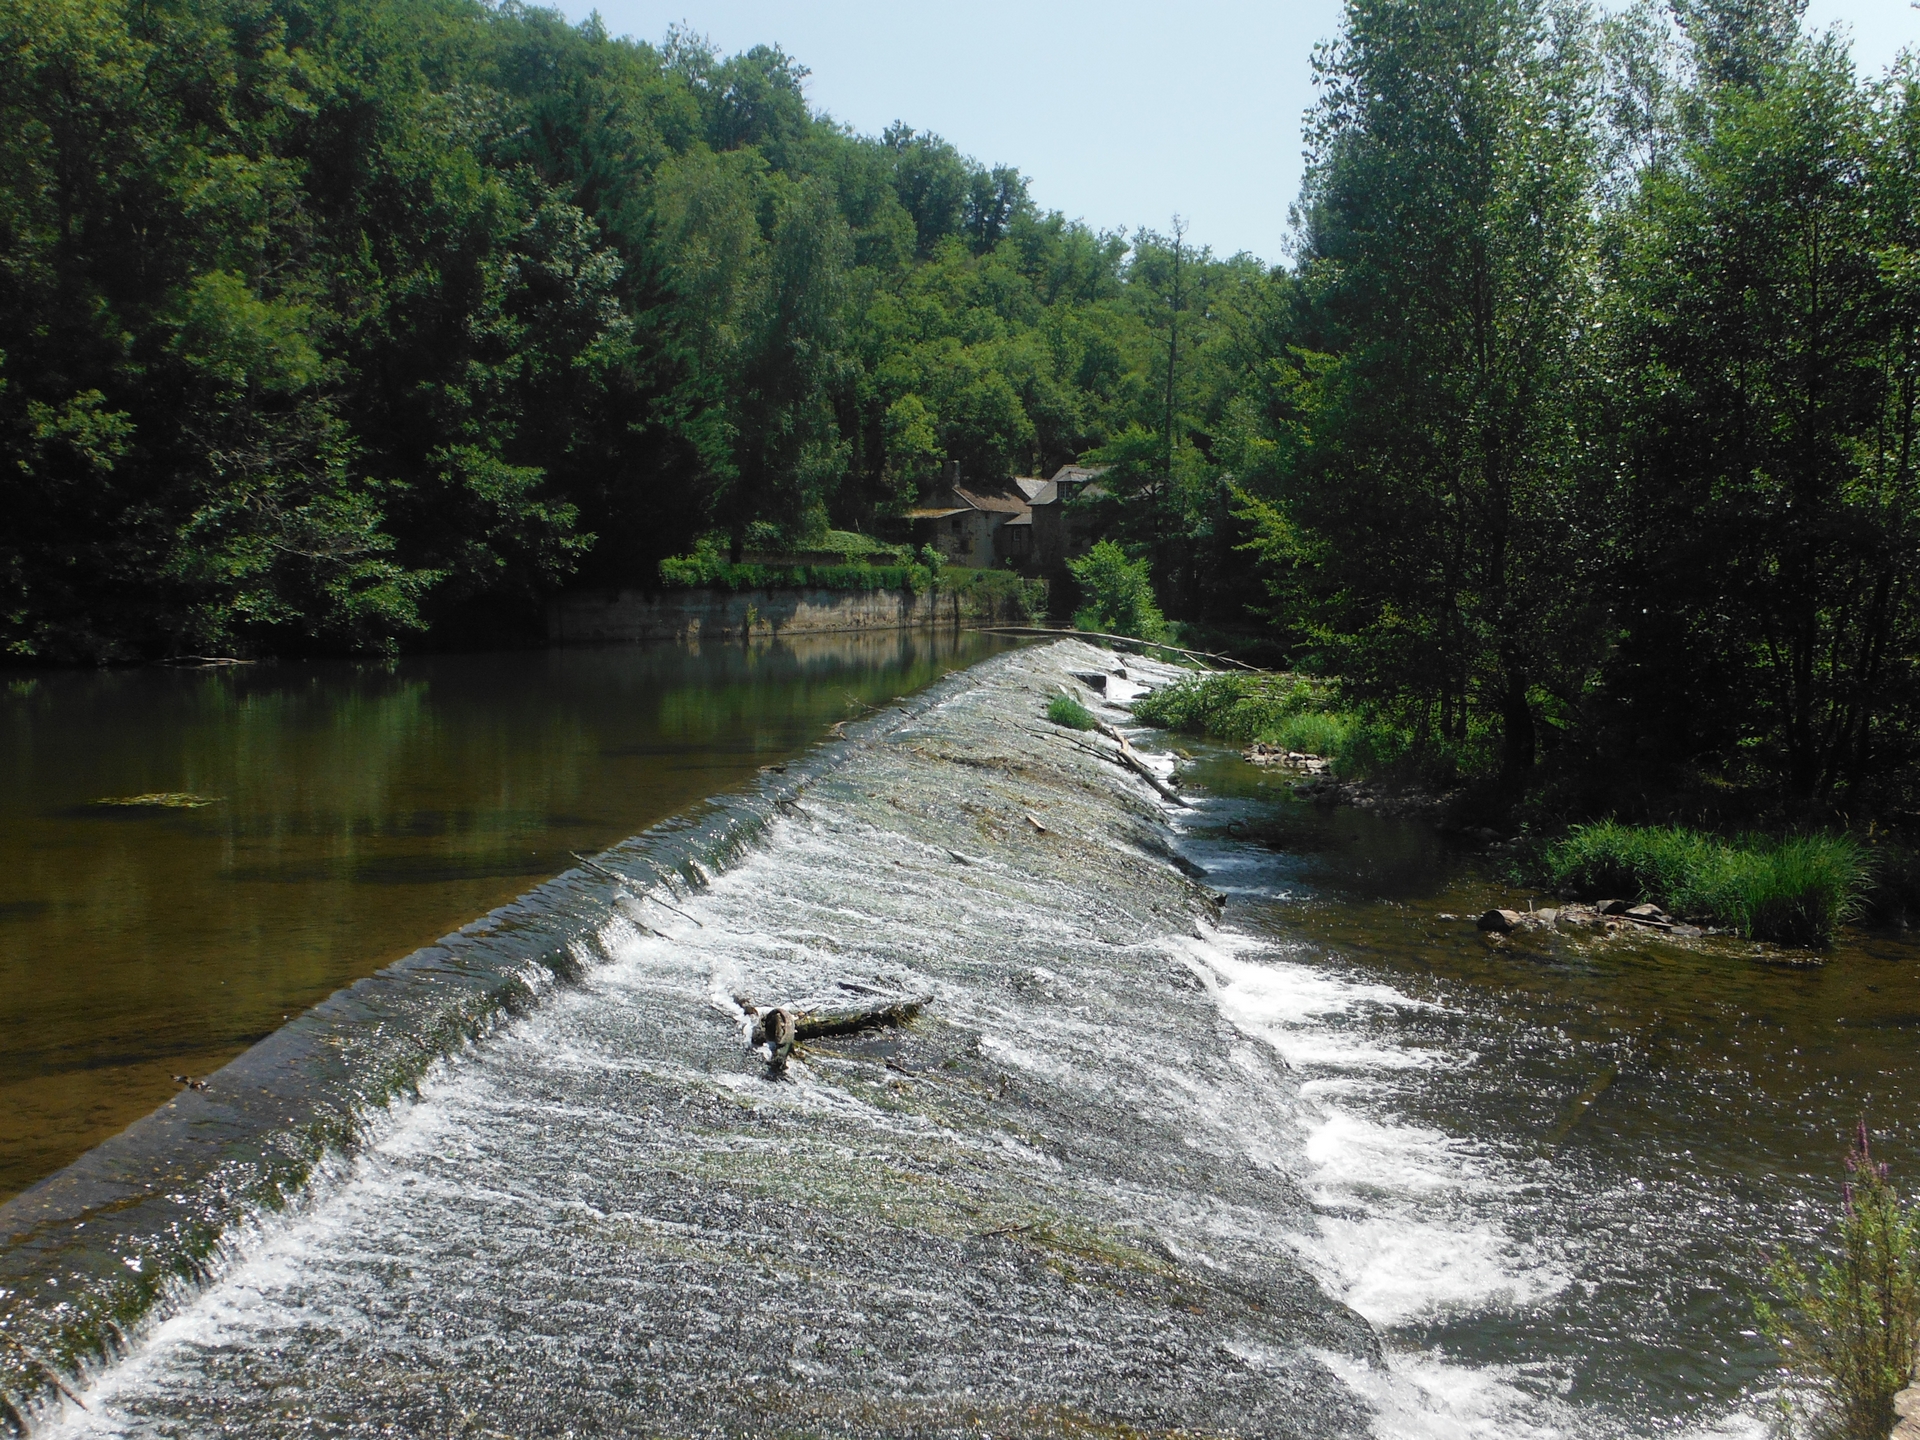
x=1141, y=1164
x=1552, y=1171
x=354, y=812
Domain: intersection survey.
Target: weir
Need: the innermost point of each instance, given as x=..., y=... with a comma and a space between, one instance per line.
x=1058, y=1202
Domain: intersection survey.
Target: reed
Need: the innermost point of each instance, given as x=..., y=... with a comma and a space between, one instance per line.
x=1795, y=891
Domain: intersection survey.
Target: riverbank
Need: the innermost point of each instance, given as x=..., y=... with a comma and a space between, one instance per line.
x=1010, y=1215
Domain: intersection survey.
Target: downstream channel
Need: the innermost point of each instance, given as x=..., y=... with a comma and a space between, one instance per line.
x=1216, y=1121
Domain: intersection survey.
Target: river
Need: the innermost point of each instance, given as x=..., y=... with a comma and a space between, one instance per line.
x=1317, y=1159
x=352, y=813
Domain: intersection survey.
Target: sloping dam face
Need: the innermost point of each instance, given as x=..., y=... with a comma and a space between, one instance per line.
x=1059, y=1202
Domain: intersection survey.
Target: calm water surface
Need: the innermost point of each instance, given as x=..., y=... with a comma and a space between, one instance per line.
x=353, y=813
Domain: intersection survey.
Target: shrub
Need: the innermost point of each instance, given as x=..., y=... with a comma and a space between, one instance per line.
x=1067, y=711
x=1847, y=1332
x=1118, y=594
x=1797, y=891
x=710, y=569
x=1009, y=596
x=1237, y=707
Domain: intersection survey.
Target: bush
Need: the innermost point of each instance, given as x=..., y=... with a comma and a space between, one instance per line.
x=1237, y=707
x=1000, y=592
x=1067, y=711
x=1797, y=891
x=1848, y=1331
x=708, y=568
x=1292, y=713
x=1118, y=594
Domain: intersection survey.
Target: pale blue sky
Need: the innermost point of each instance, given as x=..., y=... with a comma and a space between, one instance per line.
x=1121, y=113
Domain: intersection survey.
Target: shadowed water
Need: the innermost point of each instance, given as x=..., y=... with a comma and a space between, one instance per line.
x=355, y=812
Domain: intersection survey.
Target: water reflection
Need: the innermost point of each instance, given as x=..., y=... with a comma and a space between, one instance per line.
x=360, y=811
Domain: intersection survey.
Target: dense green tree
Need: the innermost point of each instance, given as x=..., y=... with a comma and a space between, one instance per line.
x=324, y=323
x=1447, y=244
x=1767, y=506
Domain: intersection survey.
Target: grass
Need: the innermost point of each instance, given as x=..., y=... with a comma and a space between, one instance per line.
x=1314, y=732
x=1796, y=891
x=1067, y=711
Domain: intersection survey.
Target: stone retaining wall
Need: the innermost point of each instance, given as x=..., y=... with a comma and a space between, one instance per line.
x=689, y=615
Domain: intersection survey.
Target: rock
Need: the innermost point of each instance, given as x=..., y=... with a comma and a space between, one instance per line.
x=1610, y=907
x=1649, y=915
x=1906, y=1408
x=1501, y=922
x=1482, y=833
x=1579, y=917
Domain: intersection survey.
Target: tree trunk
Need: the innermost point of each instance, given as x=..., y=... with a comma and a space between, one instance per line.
x=1516, y=721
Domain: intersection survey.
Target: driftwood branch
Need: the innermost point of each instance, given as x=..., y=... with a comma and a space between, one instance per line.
x=1131, y=765
x=639, y=890
x=781, y=1027
x=1139, y=766
x=1128, y=758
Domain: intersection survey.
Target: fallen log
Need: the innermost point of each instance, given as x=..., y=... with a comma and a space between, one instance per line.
x=1139, y=766
x=814, y=1018
x=1127, y=759
x=1123, y=639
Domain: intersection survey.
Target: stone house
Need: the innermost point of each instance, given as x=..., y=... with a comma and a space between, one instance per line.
x=1020, y=523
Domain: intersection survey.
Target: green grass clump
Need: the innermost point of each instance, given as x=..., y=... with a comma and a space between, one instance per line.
x=1312, y=732
x=1067, y=711
x=1285, y=711
x=1797, y=891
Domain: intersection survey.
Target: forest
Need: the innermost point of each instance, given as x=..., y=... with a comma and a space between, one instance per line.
x=1573, y=434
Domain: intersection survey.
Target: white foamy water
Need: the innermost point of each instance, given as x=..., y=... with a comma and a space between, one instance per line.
x=1421, y=1230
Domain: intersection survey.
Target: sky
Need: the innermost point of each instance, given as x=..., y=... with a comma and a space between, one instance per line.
x=1120, y=113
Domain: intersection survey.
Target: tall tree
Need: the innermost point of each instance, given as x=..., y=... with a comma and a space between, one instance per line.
x=1765, y=318
x=1448, y=247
